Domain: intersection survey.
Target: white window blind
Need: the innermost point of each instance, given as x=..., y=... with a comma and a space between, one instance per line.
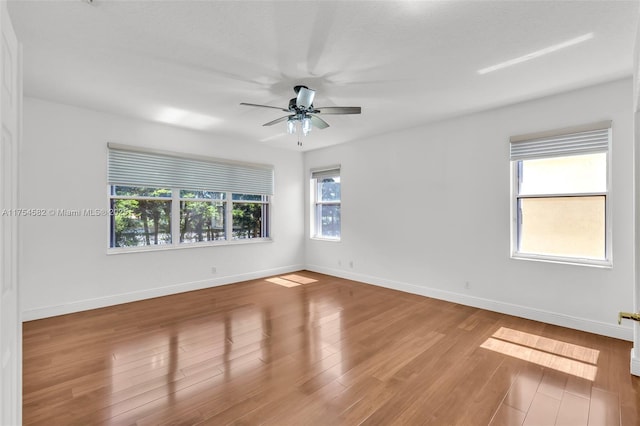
x=571, y=141
x=130, y=166
x=325, y=173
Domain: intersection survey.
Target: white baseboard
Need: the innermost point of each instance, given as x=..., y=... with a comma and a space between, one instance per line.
x=606, y=329
x=583, y=324
x=101, y=302
x=635, y=363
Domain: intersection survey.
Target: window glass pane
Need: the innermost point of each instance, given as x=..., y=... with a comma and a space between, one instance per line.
x=207, y=195
x=329, y=220
x=563, y=226
x=329, y=189
x=250, y=220
x=135, y=191
x=201, y=221
x=247, y=197
x=563, y=175
x=140, y=223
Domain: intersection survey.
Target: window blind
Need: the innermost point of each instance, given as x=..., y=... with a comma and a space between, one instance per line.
x=138, y=167
x=325, y=173
x=570, y=141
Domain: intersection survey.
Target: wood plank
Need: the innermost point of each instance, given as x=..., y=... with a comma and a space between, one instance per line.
x=325, y=351
x=603, y=409
x=543, y=411
x=574, y=410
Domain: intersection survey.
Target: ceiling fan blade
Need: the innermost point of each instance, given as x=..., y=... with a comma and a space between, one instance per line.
x=264, y=106
x=338, y=110
x=305, y=97
x=278, y=120
x=318, y=122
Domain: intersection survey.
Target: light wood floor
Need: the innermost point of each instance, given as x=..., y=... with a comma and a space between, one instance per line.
x=310, y=349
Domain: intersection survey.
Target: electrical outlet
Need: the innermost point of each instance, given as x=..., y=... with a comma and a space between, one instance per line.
x=213, y=270
x=467, y=286
x=351, y=264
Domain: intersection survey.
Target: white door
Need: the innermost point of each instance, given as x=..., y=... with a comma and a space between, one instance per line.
x=635, y=352
x=10, y=128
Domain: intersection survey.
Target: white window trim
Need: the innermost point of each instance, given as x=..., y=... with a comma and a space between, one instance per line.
x=315, y=220
x=175, y=216
x=607, y=262
x=175, y=224
x=266, y=225
x=142, y=249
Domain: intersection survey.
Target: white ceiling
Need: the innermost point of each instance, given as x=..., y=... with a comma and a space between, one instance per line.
x=404, y=62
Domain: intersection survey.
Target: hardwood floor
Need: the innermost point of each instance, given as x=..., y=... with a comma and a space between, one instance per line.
x=310, y=349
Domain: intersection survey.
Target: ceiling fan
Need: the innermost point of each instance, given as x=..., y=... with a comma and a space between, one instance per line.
x=302, y=112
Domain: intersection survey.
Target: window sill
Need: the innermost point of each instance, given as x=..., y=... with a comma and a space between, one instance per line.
x=574, y=261
x=330, y=240
x=168, y=247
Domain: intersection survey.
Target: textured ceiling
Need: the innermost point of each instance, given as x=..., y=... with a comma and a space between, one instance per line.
x=404, y=62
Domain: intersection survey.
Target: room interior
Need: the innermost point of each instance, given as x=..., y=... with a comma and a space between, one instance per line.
x=424, y=168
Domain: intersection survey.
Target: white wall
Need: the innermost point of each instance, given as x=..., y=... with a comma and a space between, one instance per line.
x=64, y=262
x=427, y=209
x=424, y=210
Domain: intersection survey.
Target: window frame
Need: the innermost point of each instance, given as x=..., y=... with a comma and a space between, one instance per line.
x=111, y=195
x=152, y=168
x=316, y=204
x=265, y=226
x=176, y=244
x=211, y=201
x=515, y=172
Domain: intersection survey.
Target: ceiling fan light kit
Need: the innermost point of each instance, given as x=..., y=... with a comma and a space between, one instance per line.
x=305, y=124
x=303, y=115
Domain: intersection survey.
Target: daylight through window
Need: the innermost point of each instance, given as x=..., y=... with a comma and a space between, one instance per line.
x=325, y=187
x=560, y=195
x=157, y=199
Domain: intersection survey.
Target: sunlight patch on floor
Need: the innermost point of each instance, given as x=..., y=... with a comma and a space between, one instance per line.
x=299, y=279
x=560, y=356
x=291, y=280
x=567, y=350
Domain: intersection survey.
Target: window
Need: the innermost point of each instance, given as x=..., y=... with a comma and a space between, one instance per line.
x=325, y=187
x=202, y=216
x=163, y=199
x=250, y=216
x=560, y=184
x=140, y=216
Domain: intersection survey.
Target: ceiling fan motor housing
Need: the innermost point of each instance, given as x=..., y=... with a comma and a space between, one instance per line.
x=304, y=100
